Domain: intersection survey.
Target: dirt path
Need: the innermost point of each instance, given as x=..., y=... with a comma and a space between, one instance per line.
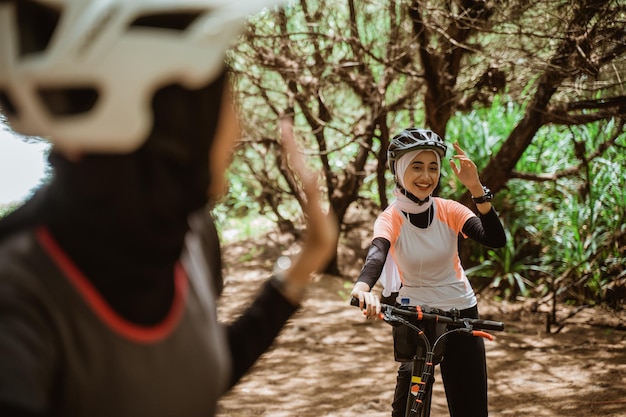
x=330, y=361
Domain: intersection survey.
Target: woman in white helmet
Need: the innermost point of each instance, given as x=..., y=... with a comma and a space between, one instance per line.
x=414, y=253
x=109, y=274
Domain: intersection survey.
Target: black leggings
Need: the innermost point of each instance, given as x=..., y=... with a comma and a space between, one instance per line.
x=464, y=374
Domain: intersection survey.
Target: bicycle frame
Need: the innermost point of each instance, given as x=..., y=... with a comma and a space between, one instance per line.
x=420, y=386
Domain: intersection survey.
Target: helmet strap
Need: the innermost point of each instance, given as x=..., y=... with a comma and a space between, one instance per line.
x=413, y=197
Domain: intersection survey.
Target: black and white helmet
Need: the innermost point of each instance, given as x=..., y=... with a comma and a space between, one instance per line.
x=113, y=55
x=413, y=139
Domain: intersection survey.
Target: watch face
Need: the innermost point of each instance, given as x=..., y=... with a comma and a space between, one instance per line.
x=282, y=264
x=486, y=197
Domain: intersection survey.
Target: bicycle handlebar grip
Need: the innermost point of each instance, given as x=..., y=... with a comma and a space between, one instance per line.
x=487, y=325
x=477, y=324
x=480, y=333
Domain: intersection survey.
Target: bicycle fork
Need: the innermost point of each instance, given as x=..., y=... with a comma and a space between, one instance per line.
x=420, y=394
x=421, y=386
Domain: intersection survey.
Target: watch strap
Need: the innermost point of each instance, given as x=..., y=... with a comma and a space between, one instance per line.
x=486, y=197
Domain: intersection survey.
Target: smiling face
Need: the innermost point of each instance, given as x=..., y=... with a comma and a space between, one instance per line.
x=422, y=175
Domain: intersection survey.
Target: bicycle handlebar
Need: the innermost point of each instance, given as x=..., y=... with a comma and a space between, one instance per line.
x=449, y=317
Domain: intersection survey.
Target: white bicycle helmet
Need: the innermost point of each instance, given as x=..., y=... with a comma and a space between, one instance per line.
x=413, y=139
x=110, y=56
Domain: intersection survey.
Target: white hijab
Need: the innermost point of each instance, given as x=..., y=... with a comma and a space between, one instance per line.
x=403, y=202
x=390, y=276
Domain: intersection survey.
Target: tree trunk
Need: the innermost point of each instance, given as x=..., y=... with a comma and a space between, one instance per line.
x=499, y=169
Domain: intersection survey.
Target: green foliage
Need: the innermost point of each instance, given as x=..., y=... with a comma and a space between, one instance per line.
x=561, y=229
x=509, y=270
x=353, y=74
x=576, y=217
x=480, y=133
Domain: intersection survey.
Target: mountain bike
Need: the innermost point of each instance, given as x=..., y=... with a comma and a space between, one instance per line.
x=432, y=326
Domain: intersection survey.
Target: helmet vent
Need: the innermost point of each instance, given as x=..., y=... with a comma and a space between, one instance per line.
x=36, y=25
x=174, y=21
x=68, y=101
x=413, y=139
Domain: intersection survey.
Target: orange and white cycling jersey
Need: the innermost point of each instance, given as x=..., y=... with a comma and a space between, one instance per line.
x=425, y=261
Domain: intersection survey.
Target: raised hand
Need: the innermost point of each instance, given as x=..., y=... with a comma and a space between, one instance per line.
x=467, y=173
x=466, y=170
x=322, y=230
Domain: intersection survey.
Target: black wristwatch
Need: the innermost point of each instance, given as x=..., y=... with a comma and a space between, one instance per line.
x=486, y=197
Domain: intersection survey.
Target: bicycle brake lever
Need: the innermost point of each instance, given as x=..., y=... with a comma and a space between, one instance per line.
x=390, y=318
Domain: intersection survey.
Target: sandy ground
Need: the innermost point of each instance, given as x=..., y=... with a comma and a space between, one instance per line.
x=330, y=361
